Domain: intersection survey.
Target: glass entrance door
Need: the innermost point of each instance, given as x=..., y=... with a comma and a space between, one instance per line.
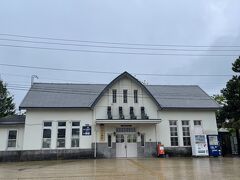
x=126, y=145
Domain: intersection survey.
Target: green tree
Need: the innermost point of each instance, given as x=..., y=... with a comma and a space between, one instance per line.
x=220, y=114
x=232, y=95
x=7, y=107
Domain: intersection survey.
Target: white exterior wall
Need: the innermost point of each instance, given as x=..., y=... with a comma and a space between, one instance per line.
x=208, y=119
x=4, y=137
x=34, y=126
x=143, y=100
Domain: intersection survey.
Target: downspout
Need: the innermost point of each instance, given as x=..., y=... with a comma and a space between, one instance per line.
x=95, y=146
x=95, y=141
x=156, y=134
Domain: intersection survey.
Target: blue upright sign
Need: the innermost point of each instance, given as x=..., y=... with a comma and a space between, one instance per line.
x=213, y=145
x=86, y=130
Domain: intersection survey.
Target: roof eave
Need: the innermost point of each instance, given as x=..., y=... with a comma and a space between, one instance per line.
x=191, y=108
x=48, y=107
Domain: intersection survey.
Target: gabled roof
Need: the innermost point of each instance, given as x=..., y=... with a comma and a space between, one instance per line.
x=182, y=96
x=121, y=76
x=61, y=95
x=64, y=95
x=13, y=120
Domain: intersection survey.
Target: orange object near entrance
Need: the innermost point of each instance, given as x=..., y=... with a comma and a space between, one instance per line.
x=160, y=150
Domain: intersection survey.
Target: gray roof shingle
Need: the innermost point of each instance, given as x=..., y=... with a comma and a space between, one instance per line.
x=56, y=95
x=13, y=120
x=62, y=95
x=182, y=96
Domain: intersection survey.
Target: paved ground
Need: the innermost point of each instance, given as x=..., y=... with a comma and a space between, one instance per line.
x=170, y=168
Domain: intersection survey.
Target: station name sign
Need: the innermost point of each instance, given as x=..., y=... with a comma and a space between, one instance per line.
x=86, y=130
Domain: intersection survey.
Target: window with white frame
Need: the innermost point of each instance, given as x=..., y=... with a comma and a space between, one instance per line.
x=197, y=122
x=114, y=95
x=142, y=139
x=109, y=138
x=173, y=132
x=61, y=134
x=47, y=134
x=12, y=139
x=75, y=134
x=135, y=95
x=186, y=132
x=125, y=92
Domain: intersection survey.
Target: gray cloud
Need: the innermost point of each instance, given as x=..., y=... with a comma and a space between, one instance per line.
x=206, y=22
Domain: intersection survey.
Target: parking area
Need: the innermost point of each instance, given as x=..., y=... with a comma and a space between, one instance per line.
x=169, y=168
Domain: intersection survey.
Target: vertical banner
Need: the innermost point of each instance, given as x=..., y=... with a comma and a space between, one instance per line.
x=102, y=132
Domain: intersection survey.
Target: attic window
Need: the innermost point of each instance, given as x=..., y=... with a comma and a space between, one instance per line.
x=135, y=92
x=197, y=122
x=124, y=96
x=114, y=95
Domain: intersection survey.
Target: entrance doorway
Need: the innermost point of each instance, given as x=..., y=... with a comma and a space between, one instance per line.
x=126, y=145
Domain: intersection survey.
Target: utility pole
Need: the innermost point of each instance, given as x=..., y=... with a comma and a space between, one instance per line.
x=32, y=79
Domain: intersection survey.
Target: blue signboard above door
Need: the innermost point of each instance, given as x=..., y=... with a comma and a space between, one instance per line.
x=86, y=130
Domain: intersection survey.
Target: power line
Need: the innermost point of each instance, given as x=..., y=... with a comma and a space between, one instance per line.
x=111, y=72
x=96, y=94
x=116, y=43
x=85, y=91
x=116, y=52
x=57, y=69
x=118, y=47
x=48, y=78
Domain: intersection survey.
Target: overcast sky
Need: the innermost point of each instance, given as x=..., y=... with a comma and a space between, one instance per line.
x=199, y=22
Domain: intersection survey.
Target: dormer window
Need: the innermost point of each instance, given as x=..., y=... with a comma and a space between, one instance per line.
x=125, y=95
x=135, y=94
x=114, y=95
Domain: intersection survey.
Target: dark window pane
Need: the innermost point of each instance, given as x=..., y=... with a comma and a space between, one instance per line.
x=173, y=129
x=197, y=123
x=109, y=140
x=12, y=143
x=142, y=139
x=119, y=138
x=47, y=133
x=46, y=143
x=135, y=96
x=174, y=134
x=124, y=96
x=174, y=141
x=61, y=143
x=186, y=133
x=47, y=124
x=12, y=134
x=75, y=133
x=173, y=122
x=61, y=133
x=186, y=141
x=114, y=93
x=75, y=123
x=185, y=128
x=185, y=123
x=75, y=143
x=61, y=123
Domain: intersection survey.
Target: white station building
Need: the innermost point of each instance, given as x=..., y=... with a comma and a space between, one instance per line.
x=124, y=118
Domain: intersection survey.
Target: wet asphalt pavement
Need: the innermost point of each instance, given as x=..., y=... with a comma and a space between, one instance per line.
x=105, y=169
